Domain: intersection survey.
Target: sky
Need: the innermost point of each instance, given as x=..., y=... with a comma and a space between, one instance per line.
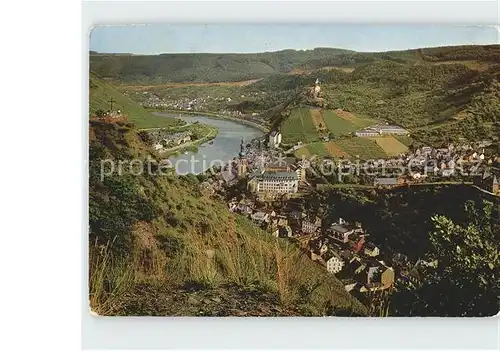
x=234, y=38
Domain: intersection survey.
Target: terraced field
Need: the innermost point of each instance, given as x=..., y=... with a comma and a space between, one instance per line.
x=390, y=145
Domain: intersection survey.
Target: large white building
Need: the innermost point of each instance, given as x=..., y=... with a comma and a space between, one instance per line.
x=382, y=129
x=274, y=139
x=278, y=182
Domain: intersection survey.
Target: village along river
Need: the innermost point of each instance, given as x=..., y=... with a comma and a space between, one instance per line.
x=223, y=148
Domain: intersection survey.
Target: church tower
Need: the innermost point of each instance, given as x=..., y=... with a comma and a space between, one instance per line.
x=242, y=162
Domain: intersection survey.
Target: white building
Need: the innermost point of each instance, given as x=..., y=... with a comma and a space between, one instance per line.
x=274, y=139
x=158, y=146
x=378, y=130
x=309, y=227
x=367, y=132
x=260, y=216
x=278, y=182
x=301, y=174
x=335, y=263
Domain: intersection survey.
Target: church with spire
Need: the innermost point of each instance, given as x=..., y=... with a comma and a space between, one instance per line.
x=242, y=161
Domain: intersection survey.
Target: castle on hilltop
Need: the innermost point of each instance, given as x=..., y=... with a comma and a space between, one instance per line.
x=315, y=90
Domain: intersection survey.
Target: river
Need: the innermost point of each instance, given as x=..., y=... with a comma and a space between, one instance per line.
x=223, y=148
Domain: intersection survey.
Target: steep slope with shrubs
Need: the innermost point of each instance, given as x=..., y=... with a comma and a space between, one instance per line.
x=160, y=246
x=101, y=93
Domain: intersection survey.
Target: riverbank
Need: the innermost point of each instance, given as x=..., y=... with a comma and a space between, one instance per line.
x=225, y=147
x=212, y=133
x=216, y=116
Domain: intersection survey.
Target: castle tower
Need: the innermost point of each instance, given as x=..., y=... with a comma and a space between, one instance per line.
x=316, y=89
x=242, y=162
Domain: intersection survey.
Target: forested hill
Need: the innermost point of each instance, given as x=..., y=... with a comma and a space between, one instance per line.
x=205, y=67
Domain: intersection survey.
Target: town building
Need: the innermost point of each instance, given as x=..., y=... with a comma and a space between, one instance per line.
x=367, y=132
x=488, y=182
x=371, y=250
x=308, y=227
x=357, y=244
x=285, y=231
x=242, y=208
x=259, y=217
x=277, y=167
x=379, y=276
x=274, y=139
x=372, y=275
x=242, y=161
x=343, y=231
x=277, y=182
x=448, y=172
x=381, y=129
x=387, y=182
x=334, y=263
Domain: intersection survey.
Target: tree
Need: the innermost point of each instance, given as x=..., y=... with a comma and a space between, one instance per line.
x=466, y=279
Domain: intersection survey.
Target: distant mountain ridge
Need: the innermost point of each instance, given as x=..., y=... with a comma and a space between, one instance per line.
x=219, y=67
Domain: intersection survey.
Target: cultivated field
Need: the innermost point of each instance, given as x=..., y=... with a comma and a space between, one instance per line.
x=404, y=139
x=338, y=125
x=334, y=150
x=362, y=147
x=390, y=145
x=347, y=148
x=308, y=125
x=318, y=120
x=317, y=149
x=352, y=118
x=302, y=152
x=299, y=126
